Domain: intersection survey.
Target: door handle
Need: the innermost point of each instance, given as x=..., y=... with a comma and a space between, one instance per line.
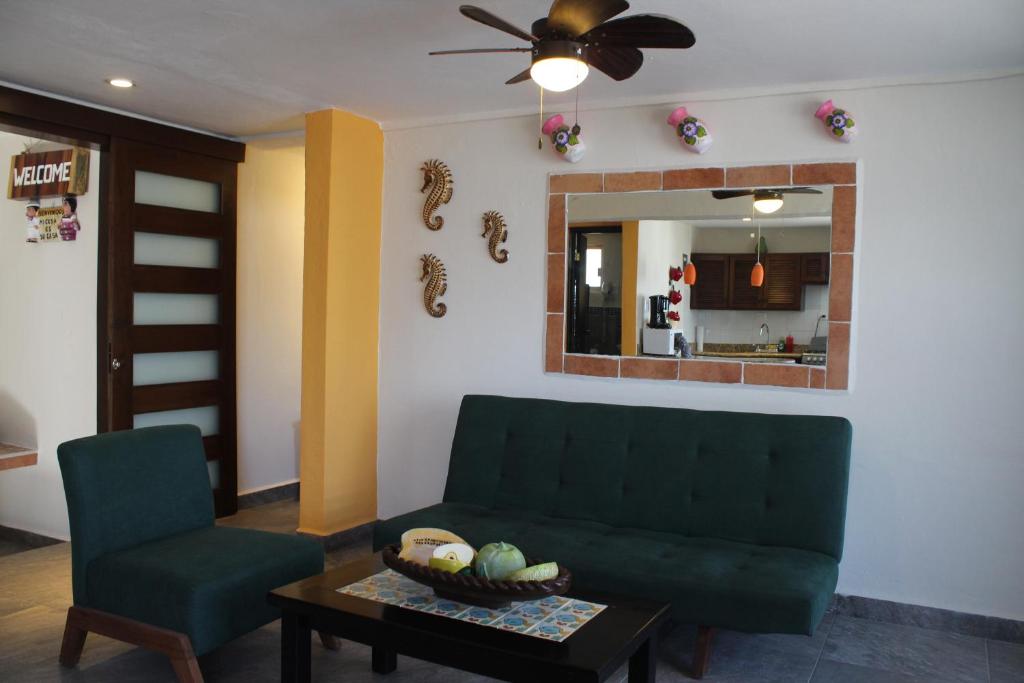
x=115, y=364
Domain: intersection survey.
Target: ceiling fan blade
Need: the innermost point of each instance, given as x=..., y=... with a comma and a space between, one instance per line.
x=729, y=194
x=519, y=77
x=642, y=30
x=619, y=62
x=488, y=19
x=480, y=50
x=799, y=190
x=576, y=17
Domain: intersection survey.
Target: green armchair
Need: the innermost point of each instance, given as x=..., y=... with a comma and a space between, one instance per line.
x=148, y=565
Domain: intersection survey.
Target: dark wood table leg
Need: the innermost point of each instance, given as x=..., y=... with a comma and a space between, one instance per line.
x=295, y=649
x=384, y=660
x=643, y=665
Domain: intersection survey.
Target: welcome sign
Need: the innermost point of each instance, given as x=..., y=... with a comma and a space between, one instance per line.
x=49, y=174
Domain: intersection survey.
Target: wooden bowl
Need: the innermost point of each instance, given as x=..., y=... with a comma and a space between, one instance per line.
x=474, y=590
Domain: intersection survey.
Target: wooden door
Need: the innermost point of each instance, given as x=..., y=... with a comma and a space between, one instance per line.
x=782, y=287
x=579, y=295
x=711, y=291
x=743, y=296
x=170, y=304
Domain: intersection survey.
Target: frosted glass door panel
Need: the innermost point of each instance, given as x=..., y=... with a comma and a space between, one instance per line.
x=175, y=309
x=178, y=366
x=155, y=249
x=213, y=467
x=178, y=193
x=206, y=418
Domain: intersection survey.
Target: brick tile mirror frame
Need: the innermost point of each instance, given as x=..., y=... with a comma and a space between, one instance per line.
x=835, y=374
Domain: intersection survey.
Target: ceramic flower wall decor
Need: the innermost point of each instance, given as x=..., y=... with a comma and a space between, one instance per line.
x=567, y=142
x=838, y=122
x=693, y=133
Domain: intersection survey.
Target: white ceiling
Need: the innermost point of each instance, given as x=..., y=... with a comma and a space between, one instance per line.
x=243, y=67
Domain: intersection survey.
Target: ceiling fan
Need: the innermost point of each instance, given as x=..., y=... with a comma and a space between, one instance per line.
x=766, y=200
x=576, y=35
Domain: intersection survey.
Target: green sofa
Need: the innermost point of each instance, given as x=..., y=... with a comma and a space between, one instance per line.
x=736, y=519
x=148, y=565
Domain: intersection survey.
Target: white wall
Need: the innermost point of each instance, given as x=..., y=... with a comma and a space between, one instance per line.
x=271, y=210
x=47, y=350
x=661, y=244
x=938, y=467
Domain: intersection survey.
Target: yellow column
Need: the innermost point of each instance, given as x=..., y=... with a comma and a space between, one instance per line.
x=340, y=314
x=630, y=247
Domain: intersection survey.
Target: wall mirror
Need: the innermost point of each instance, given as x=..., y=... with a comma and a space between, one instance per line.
x=614, y=309
x=622, y=247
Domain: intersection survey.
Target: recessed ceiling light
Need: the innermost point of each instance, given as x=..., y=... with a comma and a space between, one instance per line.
x=120, y=82
x=746, y=219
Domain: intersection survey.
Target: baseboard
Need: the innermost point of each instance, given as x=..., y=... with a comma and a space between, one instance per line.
x=273, y=494
x=28, y=538
x=359, y=534
x=994, y=628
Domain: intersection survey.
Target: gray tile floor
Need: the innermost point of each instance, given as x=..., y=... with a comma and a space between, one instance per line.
x=35, y=592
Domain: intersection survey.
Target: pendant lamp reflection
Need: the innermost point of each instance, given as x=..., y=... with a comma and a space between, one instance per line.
x=757, y=272
x=690, y=274
x=757, y=275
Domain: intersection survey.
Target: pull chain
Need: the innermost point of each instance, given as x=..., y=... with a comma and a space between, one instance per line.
x=540, y=138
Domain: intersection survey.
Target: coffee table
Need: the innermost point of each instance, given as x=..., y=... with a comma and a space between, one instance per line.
x=625, y=631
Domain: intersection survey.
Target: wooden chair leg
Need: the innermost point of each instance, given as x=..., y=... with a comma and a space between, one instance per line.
x=702, y=650
x=74, y=639
x=176, y=646
x=330, y=642
x=187, y=668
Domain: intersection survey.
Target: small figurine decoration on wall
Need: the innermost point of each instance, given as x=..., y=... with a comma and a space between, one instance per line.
x=838, y=122
x=437, y=178
x=437, y=284
x=567, y=142
x=494, y=223
x=693, y=132
x=69, y=226
x=32, y=222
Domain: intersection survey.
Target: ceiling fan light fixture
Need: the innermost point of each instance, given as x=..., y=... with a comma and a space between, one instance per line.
x=767, y=202
x=558, y=65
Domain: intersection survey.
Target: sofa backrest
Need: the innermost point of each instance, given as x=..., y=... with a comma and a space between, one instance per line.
x=776, y=480
x=126, y=488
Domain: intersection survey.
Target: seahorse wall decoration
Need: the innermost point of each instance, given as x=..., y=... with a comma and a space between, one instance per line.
x=437, y=284
x=494, y=223
x=437, y=178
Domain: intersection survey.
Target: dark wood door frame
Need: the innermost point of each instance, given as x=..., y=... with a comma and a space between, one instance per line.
x=59, y=120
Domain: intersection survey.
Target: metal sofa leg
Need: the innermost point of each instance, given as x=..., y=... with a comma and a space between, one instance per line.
x=702, y=650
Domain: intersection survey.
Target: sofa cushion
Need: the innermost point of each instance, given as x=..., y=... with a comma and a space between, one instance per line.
x=777, y=480
x=210, y=584
x=708, y=581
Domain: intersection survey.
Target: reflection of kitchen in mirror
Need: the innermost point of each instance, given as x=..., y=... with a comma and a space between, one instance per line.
x=595, y=289
x=761, y=288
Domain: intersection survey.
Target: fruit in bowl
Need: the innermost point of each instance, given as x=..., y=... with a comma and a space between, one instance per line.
x=418, y=545
x=496, y=561
x=538, y=572
x=452, y=557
